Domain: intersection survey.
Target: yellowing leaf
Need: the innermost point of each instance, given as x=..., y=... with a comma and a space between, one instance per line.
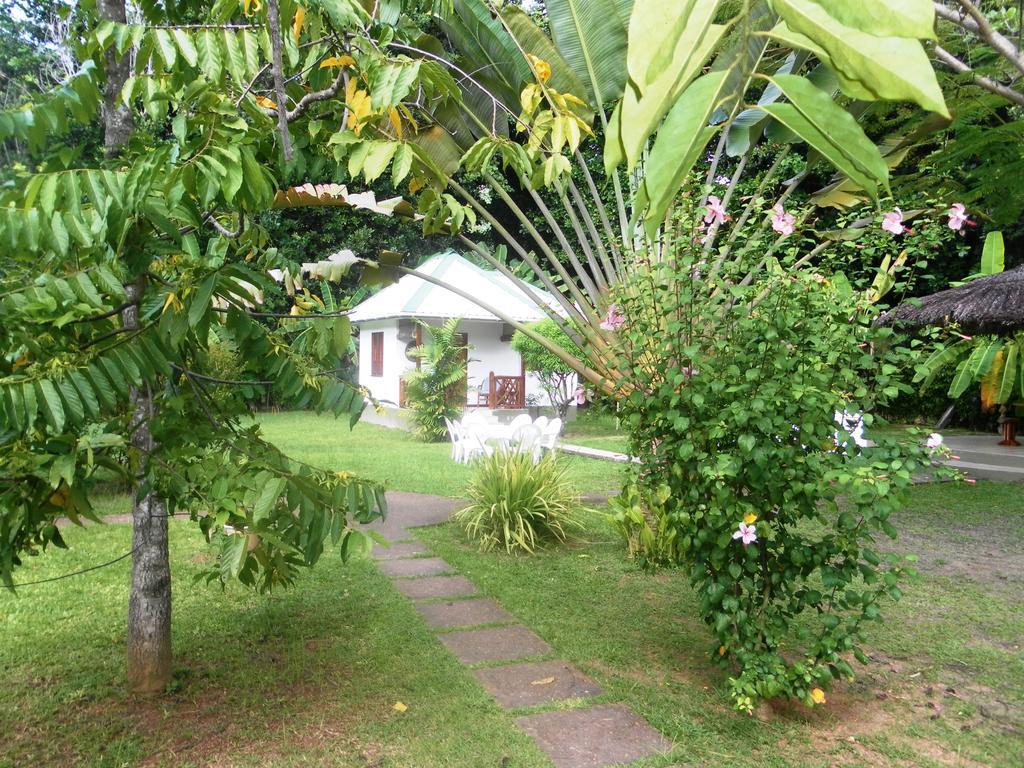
x=399, y=707
x=541, y=67
x=990, y=383
x=171, y=301
x=266, y=103
x=253, y=6
x=543, y=681
x=300, y=17
x=415, y=185
x=358, y=102
x=337, y=61
x=396, y=122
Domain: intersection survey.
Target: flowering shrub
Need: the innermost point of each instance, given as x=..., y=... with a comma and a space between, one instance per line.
x=771, y=505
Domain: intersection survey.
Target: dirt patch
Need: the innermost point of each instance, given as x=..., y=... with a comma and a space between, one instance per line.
x=858, y=723
x=981, y=554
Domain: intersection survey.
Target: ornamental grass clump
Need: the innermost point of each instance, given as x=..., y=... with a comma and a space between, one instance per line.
x=518, y=505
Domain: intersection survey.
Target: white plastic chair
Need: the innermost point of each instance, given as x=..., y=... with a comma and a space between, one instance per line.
x=549, y=435
x=474, y=415
x=540, y=422
x=853, y=425
x=453, y=435
x=473, y=444
x=526, y=439
x=519, y=421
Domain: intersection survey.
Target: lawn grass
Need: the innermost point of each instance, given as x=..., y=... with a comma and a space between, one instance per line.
x=310, y=676
x=951, y=649
x=596, y=430
x=396, y=458
x=307, y=677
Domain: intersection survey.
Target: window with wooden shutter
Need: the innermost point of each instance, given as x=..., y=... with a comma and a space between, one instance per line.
x=377, y=353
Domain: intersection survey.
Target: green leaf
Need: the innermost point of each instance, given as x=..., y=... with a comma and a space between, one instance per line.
x=90, y=404
x=101, y=386
x=1008, y=375
x=974, y=367
x=270, y=492
x=210, y=57
x=392, y=83
x=165, y=45
x=680, y=141
x=663, y=59
x=377, y=158
x=200, y=302
x=233, y=555
x=73, y=408
x=234, y=58
x=885, y=18
x=402, y=164
x=186, y=46
x=869, y=67
x=992, y=255
x=938, y=360
x=52, y=408
x=831, y=130
x=591, y=36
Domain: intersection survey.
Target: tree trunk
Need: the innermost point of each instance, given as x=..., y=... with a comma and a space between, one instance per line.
x=149, y=602
x=117, y=117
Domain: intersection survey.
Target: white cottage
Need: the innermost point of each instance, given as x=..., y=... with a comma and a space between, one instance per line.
x=388, y=331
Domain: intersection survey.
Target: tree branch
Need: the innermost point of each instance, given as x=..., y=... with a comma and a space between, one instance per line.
x=311, y=98
x=213, y=380
x=993, y=86
x=105, y=315
x=224, y=231
x=225, y=310
x=976, y=22
x=277, y=66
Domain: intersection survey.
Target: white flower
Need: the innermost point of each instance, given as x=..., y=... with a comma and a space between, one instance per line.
x=934, y=441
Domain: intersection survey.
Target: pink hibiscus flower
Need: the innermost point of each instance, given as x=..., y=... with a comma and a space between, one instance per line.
x=782, y=222
x=715, y=212
x=893, y=222
x=614, y=319
x=747, y=533
x=957, y=217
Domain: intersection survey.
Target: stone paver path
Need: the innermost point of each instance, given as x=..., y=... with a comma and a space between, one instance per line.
x=585, y=737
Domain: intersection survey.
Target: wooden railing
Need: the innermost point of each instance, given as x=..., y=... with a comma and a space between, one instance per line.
x=506, y=392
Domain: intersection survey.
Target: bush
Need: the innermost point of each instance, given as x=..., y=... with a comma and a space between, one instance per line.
x=519, y=504
x=730, y=412
x=555, y=376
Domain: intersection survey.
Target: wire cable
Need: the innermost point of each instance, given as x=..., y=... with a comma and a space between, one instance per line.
x=77, y=573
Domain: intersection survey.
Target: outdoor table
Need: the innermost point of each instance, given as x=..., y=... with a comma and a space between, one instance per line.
x=501, y=434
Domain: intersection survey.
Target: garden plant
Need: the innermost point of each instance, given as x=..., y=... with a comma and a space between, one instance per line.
x=435, y=391
x=520, y=504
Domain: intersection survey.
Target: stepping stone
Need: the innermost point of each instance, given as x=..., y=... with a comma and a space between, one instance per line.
x=396, y=551
x=435, y=586
x=463, y=613
x=422, y=566
x=498, y=644
x=526, y=685
x=594, y=737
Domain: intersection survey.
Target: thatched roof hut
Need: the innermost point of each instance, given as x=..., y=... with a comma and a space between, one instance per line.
x=993, y=304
